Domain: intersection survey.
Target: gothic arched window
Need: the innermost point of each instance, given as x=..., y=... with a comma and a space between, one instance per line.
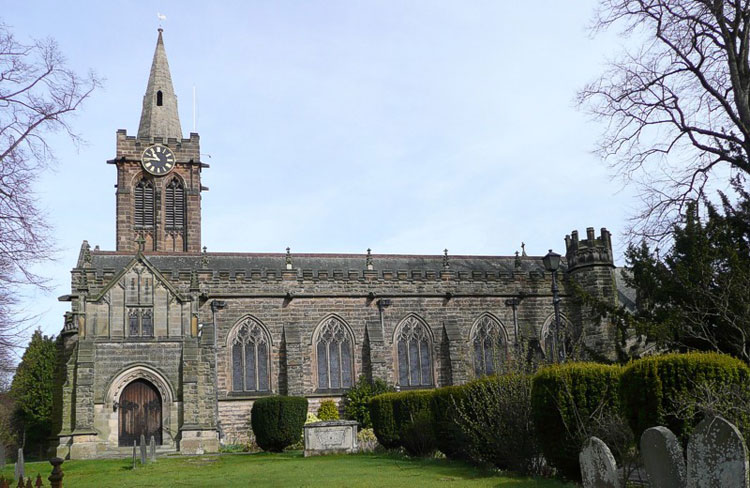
x=144, y=204
x=488, y=344
x=547, y=336
x=333, y=348
x=414, y=347
x=174, y=203
x=251, y=360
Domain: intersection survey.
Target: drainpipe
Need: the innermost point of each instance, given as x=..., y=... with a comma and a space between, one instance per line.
x=215, y=306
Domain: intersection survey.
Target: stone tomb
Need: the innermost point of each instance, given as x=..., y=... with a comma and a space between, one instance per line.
x=330, y=437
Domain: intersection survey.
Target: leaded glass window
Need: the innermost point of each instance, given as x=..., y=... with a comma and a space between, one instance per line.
x=333, y=350
x=249, y=344
x=488, y=344
x=414, y=350
x=140, y=322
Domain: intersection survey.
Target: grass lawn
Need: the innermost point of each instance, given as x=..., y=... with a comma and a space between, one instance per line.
x=287, y=469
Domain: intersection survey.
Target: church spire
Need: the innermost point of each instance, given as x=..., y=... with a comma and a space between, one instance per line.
x=159, y=117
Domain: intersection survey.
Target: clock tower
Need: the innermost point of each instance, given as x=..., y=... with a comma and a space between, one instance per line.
x=159, y=173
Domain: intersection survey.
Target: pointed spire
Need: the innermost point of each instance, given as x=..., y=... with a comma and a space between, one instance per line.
x=159, y=117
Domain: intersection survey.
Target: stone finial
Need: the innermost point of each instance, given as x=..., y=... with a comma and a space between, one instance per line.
x=517, y=261
x=86, y=255
x=663, y=458
x=141, y=243
x=598, y=467
x=523, y=249
x=368, y=260
x=204, y=258
x=717, y=456
x=288, y=258
x=446, y=262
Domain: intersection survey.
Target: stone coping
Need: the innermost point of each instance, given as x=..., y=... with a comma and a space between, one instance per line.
x=331, y=423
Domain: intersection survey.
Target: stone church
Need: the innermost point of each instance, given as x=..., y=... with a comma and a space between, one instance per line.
x=166, y=339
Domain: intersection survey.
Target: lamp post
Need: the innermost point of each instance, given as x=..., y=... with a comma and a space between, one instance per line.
x=552, y=263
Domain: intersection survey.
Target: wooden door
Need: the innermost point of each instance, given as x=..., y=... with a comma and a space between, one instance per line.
x=140, y=413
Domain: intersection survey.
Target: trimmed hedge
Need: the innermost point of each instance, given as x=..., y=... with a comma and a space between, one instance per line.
x=559, y=394
x=384, y=421
x=444, y=405
x=393, y=416
x=277, y=421
x=650, y=385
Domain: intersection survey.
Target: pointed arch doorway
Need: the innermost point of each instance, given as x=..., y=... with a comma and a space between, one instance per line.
x=140, y=409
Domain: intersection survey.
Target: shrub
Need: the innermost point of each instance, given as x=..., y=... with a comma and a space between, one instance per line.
x=357, y=400
x=328, y=410
x=651, y=389
x=449, y=436
x=277, y=421
x=411, y=411
x=384, y=421
x=497, y=424
x=566, y=401
x=366, y=440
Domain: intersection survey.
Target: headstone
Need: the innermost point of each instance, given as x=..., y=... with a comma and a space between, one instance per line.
x=134, y=457
x=152, y=449
x=717, y=456
x=2, y=456
x=20, y=471
x=598, y=467
x=663, y=458
x=143, y=449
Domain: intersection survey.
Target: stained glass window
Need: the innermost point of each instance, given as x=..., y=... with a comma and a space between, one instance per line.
x=334, y=355
x=250, y=357
x=488, y=344
x=414, y=347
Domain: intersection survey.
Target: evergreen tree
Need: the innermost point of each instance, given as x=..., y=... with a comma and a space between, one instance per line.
x=32, y=390
x=697, y=295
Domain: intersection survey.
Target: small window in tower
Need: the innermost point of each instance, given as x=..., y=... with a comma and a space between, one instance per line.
x=158, y=99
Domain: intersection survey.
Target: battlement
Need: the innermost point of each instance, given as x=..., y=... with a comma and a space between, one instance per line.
x=590, y=251
x=131, y=147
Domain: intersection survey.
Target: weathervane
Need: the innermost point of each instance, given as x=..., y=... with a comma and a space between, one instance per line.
x=161, y=17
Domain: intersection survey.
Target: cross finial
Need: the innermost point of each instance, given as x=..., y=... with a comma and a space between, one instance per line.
x=523, y=249
x=446, y=264
x=141, y=243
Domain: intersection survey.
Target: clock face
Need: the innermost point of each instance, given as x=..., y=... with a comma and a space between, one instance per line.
x=158, y=160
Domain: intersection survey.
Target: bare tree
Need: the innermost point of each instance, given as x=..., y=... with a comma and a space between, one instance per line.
x=38, y=93
x=677, y=108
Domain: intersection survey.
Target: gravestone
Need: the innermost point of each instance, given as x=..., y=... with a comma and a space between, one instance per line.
x=134, y=457
x=717, y=456
x=20, y=471
x=2, y=456
x=143, y=449
x=663, y=458
x=329, y=437
x=152, y=449
x=598, y=467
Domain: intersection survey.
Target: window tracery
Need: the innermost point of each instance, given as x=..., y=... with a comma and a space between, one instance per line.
x=144, y=204
x=489, y=346
x=414, y=345
x=333, y=348
x=249, y=344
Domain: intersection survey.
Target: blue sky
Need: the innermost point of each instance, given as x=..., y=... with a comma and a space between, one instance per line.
x=407, y=127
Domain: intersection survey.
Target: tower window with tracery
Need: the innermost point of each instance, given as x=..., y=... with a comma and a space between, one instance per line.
x=144, y=204
x=489, y=346
x=174, y=203
x=414, y=354
x=250, y=357
x=333, y=349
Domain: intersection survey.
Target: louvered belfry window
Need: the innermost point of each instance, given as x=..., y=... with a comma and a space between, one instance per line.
x=144, y=204
x=174, y=199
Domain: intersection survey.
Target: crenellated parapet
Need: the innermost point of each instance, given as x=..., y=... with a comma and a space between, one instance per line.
x=590, y=251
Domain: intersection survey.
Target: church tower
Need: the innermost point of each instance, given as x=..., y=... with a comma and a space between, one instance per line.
x=159, y=173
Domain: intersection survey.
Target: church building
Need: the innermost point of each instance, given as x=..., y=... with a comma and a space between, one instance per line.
x=168, y=340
